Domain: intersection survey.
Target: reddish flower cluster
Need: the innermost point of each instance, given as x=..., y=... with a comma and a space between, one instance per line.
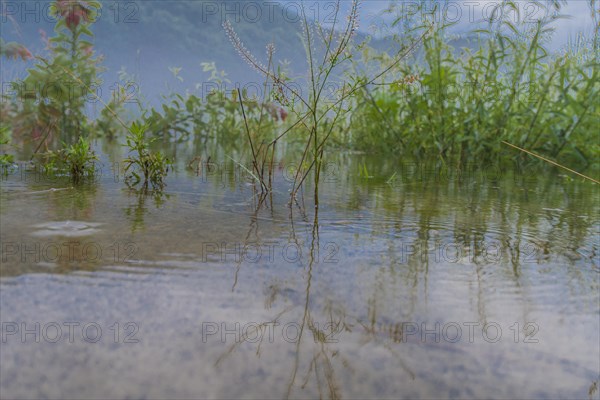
x=16, y=50
x=73, y=11
x=408, y=80
x=88, y=50
x=282, y=114
x=277, y=113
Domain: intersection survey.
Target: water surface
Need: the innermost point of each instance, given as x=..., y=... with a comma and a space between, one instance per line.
x=406, y=282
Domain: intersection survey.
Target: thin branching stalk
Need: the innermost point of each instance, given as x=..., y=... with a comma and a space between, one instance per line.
x=551, y=162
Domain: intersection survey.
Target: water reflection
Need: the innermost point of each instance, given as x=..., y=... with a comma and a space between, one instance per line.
x=391, y=288
x=136, y=212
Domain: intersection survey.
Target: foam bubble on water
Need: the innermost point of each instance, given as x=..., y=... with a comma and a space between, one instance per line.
x=66, y=228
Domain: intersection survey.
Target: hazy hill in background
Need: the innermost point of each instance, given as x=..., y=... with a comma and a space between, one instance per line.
x=148, y=37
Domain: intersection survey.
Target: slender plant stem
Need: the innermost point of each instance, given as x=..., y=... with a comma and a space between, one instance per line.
x=551, y=162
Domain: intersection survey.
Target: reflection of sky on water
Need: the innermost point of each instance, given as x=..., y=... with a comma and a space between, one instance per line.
x=516, y=254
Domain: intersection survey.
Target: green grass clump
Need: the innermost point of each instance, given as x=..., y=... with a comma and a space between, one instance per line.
x=504, y=85
x=77, y=160
x=5, y=159
x=142, y=163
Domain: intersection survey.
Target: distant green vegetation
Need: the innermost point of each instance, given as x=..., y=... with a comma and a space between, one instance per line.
x=5, y=158
x=461, y=105
x=78, y=161
x=142, y=165
x=428, y=100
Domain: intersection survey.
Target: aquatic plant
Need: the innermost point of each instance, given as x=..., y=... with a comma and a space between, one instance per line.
x=5, y=159
x=78, y=160
x=320, y=112
x=217, y=115
x=11, y=50
x=153, y=167
x=53, y=95
x=503, y=86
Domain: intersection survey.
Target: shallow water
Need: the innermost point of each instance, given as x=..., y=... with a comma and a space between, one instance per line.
x=426, y=285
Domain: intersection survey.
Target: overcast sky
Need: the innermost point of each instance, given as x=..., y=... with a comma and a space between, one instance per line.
x=467, y=13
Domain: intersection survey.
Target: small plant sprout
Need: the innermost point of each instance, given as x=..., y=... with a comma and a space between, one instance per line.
x=152, y=167
x=78, y=160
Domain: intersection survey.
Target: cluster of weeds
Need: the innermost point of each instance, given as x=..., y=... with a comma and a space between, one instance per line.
x=50, y=105
x=77, y=160
x=439, y=102
x=5, y=159
x=56, y=113
x=329, y=51
x=461, y=104
x=217, y=115
x=142, y=164
x=62, y=79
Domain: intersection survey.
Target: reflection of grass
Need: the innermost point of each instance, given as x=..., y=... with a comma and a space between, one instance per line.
x=364, y=172
x=252, y=332
x=464, y=209
x=314, y=340
x=137, y=213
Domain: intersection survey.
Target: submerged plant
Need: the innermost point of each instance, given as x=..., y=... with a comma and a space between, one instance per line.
x=459, y=105
x=5, y=159
x=78, y=160
x=152, y=167
x=318, y=114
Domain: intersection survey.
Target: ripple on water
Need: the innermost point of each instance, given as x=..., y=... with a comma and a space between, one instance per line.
x=66, y=229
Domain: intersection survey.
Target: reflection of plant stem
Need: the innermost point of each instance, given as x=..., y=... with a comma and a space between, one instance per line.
x=250, y=332
x=138, y=211
x=253, y=227
x=306, y=315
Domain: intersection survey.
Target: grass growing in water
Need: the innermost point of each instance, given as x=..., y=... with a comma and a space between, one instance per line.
x=328, y=51
x=445, y=104
x=5, y=159
x=459, y=105
x=153, y=167
x=78, y=160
